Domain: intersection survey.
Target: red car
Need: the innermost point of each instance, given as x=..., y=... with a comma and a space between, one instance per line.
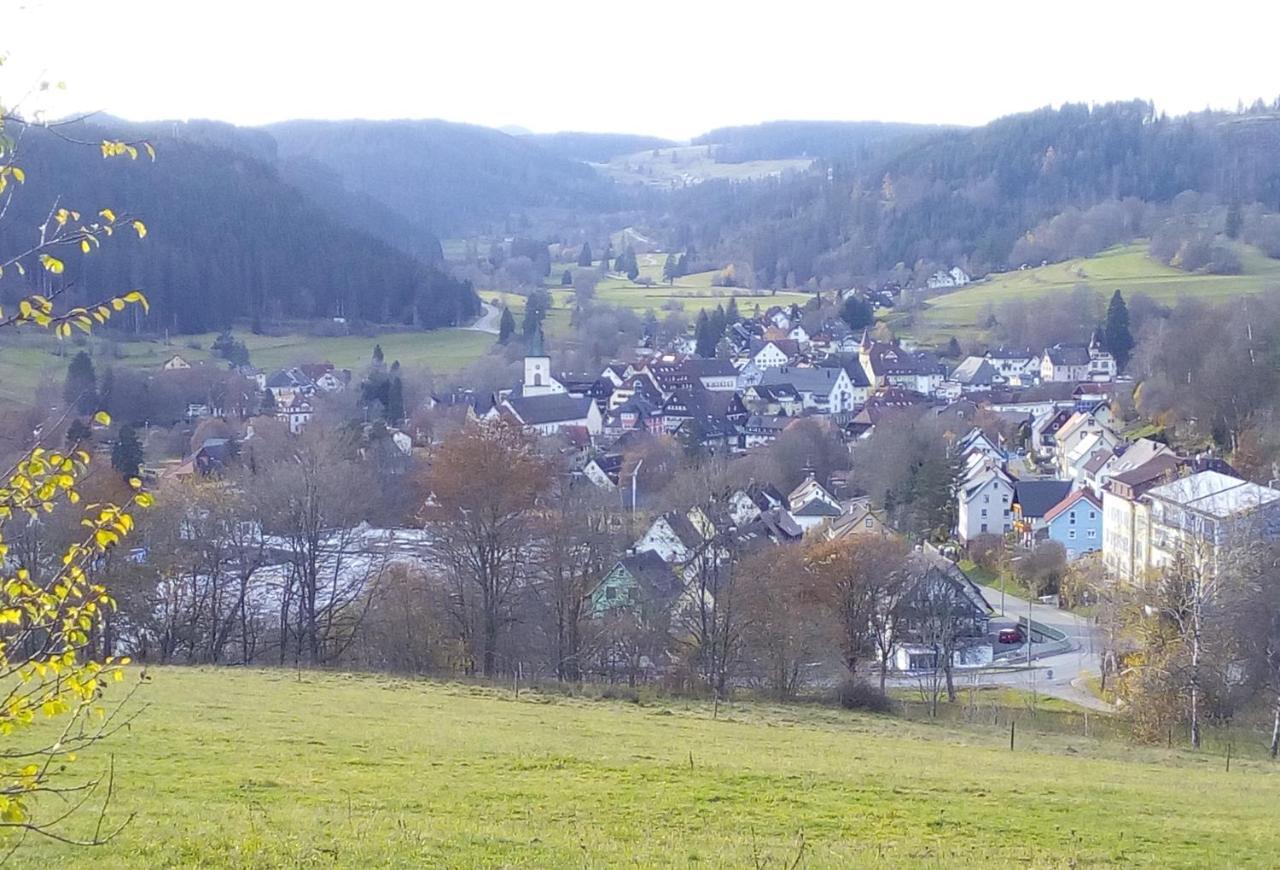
x=1010, y=635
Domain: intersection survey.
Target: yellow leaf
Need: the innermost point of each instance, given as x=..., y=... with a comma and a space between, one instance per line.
x=84, y=245
x=102, y=418
x=108, y=214
x=151, y=152
x=117, y=304
x=140, y=228
x=20, y=175
x=135, y=483
x=53, y=264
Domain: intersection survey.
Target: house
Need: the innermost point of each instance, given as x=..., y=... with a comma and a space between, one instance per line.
x=1199, y=515
x=1100, y=468
x=945, y=279
x=985, y=505
x=637, y=580
x=674, y=537
x=1044, y=429
x=812, y=504
x=1015, y=366
x=763, y=355
x=604, y=471
x=888, y=364
x=285, y=384
x=549, y=413
x=716, y=375
x=975, y=374
x=1102, y=365
x=773, y=399
x=1064, y=363
x=1126, y=517
x=296, y=414
x=175, y=362
x=858, y=519
x=823, y=389
x=1032, y=500
x=1091, y=447
x=325, y=377
x=1076, y=523
x=940, y=592
x=762, y=429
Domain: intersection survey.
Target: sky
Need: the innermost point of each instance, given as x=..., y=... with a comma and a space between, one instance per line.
x=672, y=69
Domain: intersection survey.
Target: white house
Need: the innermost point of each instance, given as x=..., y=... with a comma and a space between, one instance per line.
x=812, y=504
x=175, y=362
x=986, y=505
x=825, y=389
x=953, y=277
x=537, y=372
x=1063, y=364
x=1017, y=367
x=770, y=356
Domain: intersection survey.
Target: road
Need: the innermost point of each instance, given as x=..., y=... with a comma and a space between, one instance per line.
x=487, y=322
x=1057, y=675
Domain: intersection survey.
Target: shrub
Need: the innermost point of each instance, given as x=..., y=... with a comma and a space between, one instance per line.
x=855, y=694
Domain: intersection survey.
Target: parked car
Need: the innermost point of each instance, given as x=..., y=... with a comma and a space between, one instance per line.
x=1010, y=635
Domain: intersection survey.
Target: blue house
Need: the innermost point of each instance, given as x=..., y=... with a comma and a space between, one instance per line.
x=1076, y=523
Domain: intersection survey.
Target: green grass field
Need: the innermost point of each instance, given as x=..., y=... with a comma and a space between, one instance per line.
x=26, y=360
x=1127, y=268
x=239, y=767
x=682, y=165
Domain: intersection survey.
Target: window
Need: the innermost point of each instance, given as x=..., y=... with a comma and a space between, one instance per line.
x=611, y=593
x=1004, y=499
x=867, y=522
x=1092, y=533
x=984, y=512
x=1093, y=515
x=1071, y=518
x=986, y=499
x=1071, y=534
x=984, y=528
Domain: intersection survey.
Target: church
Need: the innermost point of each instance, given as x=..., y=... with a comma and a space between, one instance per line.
x=542, y=404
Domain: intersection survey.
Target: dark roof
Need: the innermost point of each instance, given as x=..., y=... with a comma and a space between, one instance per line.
x=657, y=582
x=816, y=507
x=852, y=367
x=889, y=359
x=1036, y=497
x=554, y=408
x=1068, y=355
x=684, y=529
x=776, y=392
x=1146, y=475
x=696, y=367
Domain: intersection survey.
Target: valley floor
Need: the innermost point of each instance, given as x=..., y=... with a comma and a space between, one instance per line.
x=271, y=768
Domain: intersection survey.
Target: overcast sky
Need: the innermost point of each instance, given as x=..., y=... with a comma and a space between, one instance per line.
x=672, y=69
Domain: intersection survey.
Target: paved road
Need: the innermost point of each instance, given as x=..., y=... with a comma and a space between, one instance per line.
x=487, y=322
x=1067, y=668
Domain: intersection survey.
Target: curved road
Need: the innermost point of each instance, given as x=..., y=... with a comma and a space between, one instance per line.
x=487, y=322
x=1059, y=674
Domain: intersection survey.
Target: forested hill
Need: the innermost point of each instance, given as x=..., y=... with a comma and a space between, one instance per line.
x=776, y=140
x=445, y=178
x=972, y=196
x=228, y=238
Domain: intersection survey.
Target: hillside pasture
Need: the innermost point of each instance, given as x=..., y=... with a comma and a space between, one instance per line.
x=1127, y=268
x=242, y=767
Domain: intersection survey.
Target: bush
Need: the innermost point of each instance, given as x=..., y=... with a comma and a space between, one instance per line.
x=855, y=694
x=644, y=281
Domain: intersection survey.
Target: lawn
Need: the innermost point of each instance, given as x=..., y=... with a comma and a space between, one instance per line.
x=272, y=768
x=1127, y=268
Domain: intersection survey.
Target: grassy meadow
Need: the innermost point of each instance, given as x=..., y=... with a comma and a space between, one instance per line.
x=26, y=360
x=683, y=165
x=1127, y=268
x=272, y=768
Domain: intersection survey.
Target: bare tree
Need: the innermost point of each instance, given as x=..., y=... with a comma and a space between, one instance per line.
x=485, y=482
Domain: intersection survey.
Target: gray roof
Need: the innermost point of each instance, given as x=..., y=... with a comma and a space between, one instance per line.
x=805, y=379
x=816, y=507
x=657, y=582
x=974, y=371
x=554, y=408
x=1068, y=355
x=1216, y=494
x=1036, y=497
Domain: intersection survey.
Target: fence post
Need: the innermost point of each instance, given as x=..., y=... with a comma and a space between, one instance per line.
x=1228, y=758
x=1012, y=724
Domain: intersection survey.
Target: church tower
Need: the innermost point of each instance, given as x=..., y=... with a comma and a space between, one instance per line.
x=537, y=370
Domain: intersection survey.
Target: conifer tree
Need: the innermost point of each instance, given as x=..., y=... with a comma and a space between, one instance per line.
x=126, y=455
x=1115, y=334
x=80, y=390
x=584, y=256
x=506, y=325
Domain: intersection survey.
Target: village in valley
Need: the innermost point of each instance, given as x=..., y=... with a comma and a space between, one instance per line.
x=1039, y=465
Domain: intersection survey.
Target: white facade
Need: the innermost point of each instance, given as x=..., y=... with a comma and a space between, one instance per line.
x=986, y=506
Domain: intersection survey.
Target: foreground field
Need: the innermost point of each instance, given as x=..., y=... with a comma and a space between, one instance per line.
x=1127, y=268
x=251, y=768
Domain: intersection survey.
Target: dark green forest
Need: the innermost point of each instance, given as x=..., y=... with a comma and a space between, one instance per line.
x=228, y=238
